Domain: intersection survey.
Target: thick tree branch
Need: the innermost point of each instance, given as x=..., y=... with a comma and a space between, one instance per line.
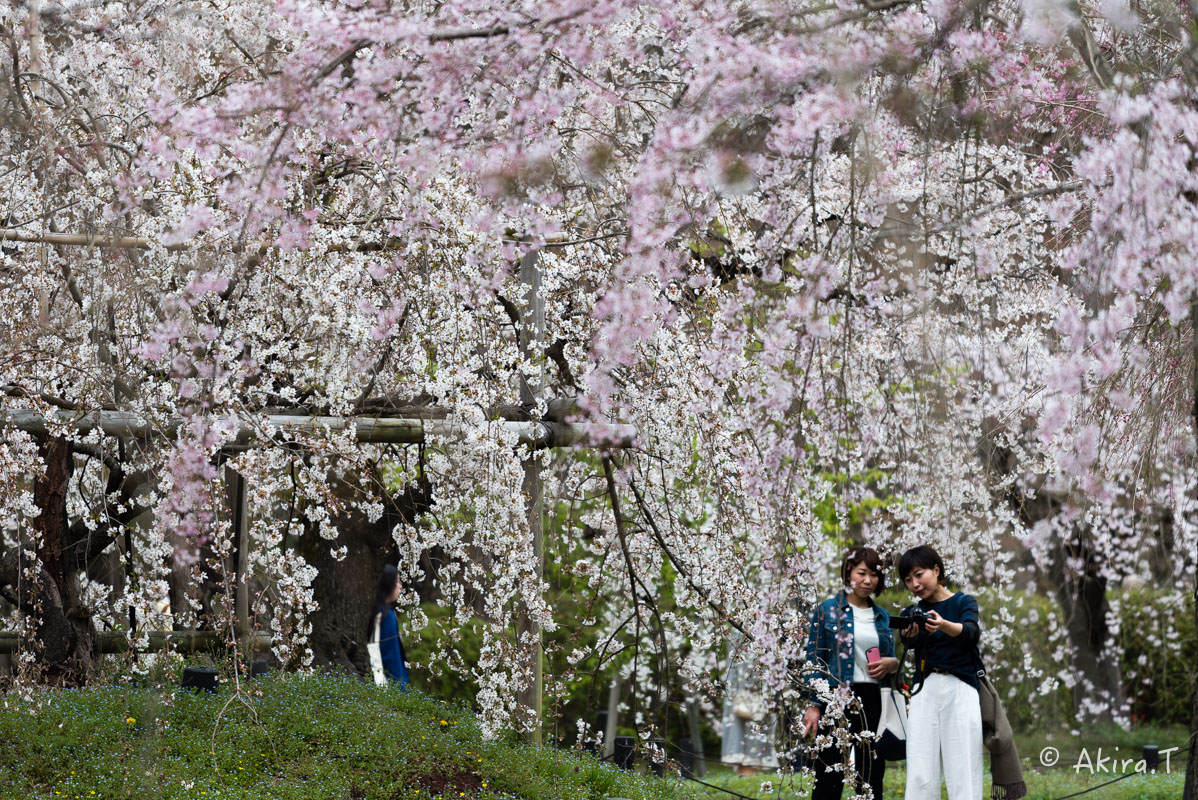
x=1083, y=41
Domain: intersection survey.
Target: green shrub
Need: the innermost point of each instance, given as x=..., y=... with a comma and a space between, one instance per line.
x=1160, y=648
x=1025, y=668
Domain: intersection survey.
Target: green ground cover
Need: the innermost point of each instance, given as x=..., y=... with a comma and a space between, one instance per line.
x=1068, y=774
x=1042, y=785
x=337, y=738
x=287, y=738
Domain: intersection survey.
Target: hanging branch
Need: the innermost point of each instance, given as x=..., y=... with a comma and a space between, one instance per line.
x=663, y=669
x=678, y=565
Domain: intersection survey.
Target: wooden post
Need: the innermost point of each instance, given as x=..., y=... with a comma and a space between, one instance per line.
x=692, y=721
x=532, y=696
x=236, y=491
x=532, y=345
x=613, y=717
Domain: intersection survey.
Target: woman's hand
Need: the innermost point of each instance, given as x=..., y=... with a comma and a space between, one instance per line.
x=810, y=721
x=938, y=623
x=882, y=667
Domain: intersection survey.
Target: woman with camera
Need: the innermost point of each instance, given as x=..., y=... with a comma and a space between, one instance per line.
x=851, y=642
x=944, y=722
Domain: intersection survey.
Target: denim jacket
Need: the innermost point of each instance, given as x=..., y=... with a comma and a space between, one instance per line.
x=830, y=643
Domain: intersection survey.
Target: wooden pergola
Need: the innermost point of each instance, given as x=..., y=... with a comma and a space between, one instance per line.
x=407, y=426
x=271, y=430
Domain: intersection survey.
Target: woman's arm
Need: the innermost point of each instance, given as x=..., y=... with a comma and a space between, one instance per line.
x=971, y=629
x=815, y=630
x=966, y=630
x=888, y=663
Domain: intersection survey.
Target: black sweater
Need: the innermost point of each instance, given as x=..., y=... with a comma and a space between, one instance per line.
x=956, y=655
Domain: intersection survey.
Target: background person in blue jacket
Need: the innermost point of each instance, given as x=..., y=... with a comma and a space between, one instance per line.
x=390, y=645
x=851, y=643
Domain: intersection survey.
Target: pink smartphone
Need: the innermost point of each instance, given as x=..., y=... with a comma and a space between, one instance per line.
x=873, y=654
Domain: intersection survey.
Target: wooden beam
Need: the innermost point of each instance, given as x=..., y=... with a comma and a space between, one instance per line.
x=552, y=241
x=80, y=240
x=272, y=429
x=180, y=641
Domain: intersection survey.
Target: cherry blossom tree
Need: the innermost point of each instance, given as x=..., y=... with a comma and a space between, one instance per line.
x=943, y=244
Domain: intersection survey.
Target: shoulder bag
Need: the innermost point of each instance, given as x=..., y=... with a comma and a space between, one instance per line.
x=376, y=655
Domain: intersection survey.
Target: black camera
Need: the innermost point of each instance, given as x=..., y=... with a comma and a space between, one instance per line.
x=917, y=617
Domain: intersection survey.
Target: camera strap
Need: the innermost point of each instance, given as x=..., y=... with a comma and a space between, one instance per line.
x=919, y=666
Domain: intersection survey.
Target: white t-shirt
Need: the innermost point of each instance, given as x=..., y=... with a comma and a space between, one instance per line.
x=865, y=636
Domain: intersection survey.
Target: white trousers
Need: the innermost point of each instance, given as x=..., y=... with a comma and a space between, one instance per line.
x=944, y=736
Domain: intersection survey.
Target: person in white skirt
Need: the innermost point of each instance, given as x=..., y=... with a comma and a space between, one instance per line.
x=748, y=729
x=944, y=723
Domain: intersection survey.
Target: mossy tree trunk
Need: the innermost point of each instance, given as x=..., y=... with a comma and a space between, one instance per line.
x=1191, y=790
x=65, y=631
x=1083, y=598
x=1191, y=784
x=344, y=588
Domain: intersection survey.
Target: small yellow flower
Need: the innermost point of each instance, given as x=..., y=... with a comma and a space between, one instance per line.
x=130, y=720
x=443, y=722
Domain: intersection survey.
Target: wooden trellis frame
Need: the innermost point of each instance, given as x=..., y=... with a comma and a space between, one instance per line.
x=271, y=429
x=182, y=641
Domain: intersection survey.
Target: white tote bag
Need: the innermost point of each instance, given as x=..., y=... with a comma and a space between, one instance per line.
x=376, y=655
x=891, y=743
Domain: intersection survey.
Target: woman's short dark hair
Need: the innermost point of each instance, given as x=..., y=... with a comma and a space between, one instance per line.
x=921, y=557
x=871, y=559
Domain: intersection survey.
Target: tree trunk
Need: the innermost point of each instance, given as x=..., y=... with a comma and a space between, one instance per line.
x=345, y=589
x=1082, y=598
x=1191, y=785
x=1191, y=790
x=1099, y=696
x=65, y=631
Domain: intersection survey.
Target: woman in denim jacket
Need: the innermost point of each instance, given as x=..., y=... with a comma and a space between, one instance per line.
x=850, y=643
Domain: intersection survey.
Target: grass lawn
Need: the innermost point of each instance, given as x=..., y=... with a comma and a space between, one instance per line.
x=337, y=738
x=1041, y=786
x=1043, y=782
x=296, y=738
